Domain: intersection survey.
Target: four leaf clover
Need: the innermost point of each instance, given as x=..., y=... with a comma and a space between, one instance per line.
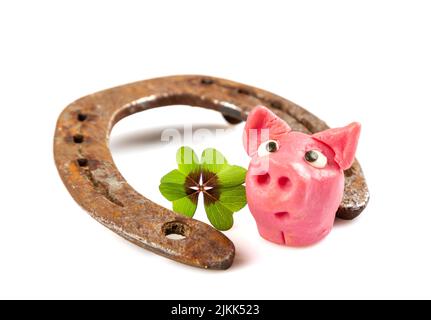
x=221, y=185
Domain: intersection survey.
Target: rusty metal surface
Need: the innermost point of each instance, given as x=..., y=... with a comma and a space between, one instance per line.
x=87, y=169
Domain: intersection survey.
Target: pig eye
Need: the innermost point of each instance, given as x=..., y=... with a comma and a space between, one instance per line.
x=316, y=159
x=267, y=147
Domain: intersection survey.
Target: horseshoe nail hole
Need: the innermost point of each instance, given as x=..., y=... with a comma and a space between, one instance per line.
x=243, y=91
x=176, y=230
x=82, y=117
x=83, y=162
x=263, y=179
x=276, y=104
x=348, y=173
x=207, y=81
x=175, y=236
x=78, y=138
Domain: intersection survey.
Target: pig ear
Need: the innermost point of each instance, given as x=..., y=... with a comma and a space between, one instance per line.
x=262, y=124
x=343, y=141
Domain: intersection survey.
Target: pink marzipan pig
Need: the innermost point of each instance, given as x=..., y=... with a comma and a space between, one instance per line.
x=295, y=181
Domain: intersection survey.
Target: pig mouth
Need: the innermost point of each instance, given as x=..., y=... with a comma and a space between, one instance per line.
x=282, y=215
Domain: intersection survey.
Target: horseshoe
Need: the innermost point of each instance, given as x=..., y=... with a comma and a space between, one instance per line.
x=88, y=171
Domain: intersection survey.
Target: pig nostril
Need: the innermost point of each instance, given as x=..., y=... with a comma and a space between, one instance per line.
x=284, y=182
x=263, y=179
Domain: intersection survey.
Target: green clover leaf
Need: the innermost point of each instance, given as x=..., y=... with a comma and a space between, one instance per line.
x=221, y=185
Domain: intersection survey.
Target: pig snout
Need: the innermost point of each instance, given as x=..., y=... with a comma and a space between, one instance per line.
x=280, y=183
x=275, y=193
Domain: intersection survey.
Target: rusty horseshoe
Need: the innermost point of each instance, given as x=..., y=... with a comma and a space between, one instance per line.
x=88, y=171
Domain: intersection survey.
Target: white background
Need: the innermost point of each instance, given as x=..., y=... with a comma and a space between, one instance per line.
x=366, y=61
